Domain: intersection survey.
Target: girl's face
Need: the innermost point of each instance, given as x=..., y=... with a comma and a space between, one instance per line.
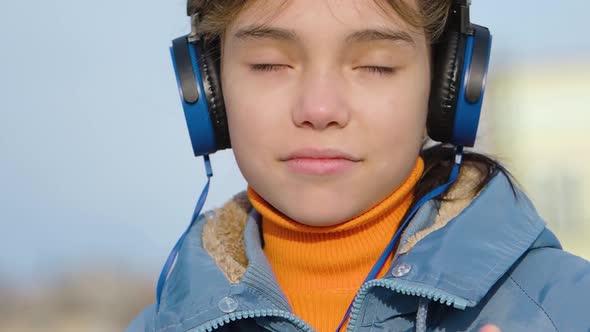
x=326, y=104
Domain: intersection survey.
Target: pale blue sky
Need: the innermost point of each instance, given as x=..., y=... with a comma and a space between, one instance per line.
x=95, y=160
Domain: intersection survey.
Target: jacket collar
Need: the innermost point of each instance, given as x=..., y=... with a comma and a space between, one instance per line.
x=468, y=255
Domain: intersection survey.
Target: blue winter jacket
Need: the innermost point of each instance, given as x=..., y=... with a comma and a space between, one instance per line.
x=460, y=265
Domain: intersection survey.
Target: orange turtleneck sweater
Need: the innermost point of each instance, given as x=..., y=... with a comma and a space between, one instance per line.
x=320, y=269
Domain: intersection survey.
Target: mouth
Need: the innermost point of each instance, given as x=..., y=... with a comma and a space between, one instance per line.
x=320, y=154
x=313, y=161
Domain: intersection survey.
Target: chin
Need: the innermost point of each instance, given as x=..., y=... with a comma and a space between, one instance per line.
x=321, y=215
x=317, y=205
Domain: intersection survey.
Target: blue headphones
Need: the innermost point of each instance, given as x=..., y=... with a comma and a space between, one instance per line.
x=460, y=68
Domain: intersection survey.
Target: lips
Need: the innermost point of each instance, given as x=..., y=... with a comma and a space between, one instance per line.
x=311, y=161
x=314, y=153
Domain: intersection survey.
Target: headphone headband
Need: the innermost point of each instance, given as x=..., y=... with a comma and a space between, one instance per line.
x=460, y=13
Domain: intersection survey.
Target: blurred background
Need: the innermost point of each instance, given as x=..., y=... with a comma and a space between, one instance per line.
x=97, y=176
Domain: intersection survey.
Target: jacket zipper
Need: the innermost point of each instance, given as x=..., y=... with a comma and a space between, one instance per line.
x=398, y=285
x=406, y=288
x=234, y=316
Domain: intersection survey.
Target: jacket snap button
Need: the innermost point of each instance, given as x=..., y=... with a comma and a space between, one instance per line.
x=401, y=270
x=228, y=304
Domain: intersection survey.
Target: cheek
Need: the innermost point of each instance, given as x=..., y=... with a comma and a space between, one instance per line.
x=259, y=115
x=244, y=116
x=397, y=118
x=254, y=122
x=247, y=134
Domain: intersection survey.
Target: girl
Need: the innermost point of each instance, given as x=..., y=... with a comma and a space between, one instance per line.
x=348, y=222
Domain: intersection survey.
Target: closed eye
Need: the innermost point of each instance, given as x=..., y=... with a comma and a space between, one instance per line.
x=381, y=70
x=268, y=67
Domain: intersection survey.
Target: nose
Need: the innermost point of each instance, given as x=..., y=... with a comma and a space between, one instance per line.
x=321, y=101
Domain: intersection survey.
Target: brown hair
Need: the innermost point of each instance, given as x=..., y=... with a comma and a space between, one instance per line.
x=216, y=15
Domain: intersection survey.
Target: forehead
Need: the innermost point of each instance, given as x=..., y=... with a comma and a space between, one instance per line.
x=312, y=17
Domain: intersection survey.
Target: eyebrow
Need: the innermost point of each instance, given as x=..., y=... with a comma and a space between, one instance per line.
x=366, y=35
x=265, y=32
x=369, y=35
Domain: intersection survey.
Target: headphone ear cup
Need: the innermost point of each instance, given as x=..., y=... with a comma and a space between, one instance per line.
x=197, y=76
x=196, y=110
x=447, y=73
x=209, y=66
